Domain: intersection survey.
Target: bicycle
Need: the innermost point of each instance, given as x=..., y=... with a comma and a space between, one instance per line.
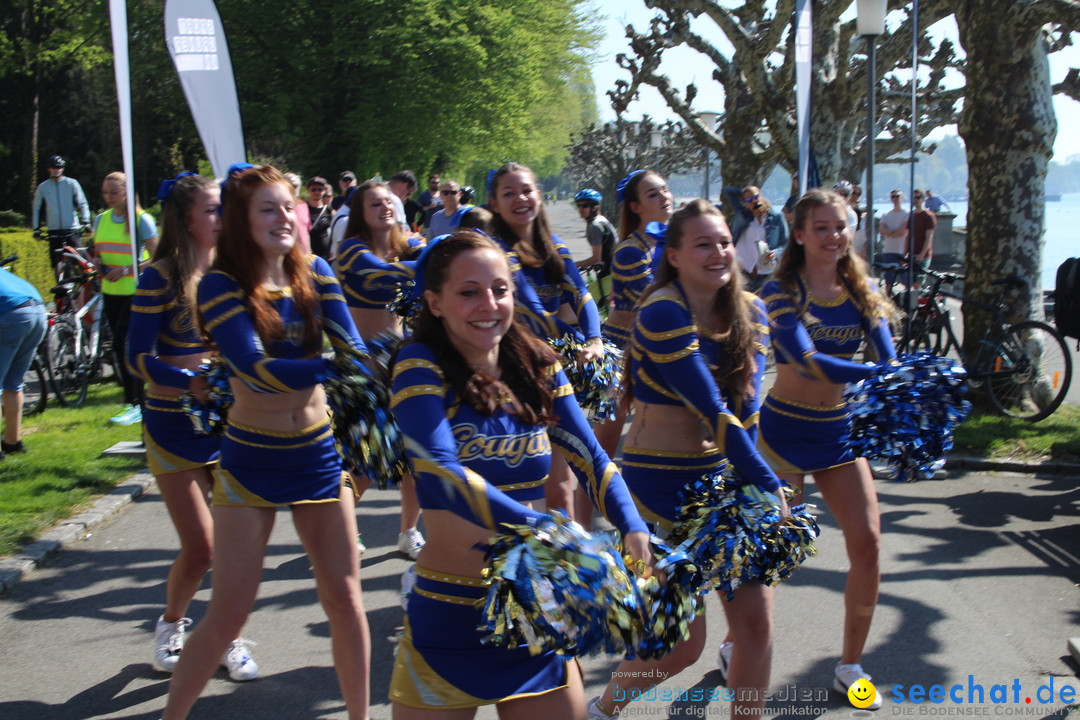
x=77, y=346
x=1025, y=366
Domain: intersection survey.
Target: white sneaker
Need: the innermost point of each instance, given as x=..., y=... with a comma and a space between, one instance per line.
x=168, y=642
x=846, y=675
x=242, y=667
x=410, y=542
x=360, y=544
x=594, y=713
x=723, y=658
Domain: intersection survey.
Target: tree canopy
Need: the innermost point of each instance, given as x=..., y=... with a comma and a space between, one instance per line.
x=369, y=85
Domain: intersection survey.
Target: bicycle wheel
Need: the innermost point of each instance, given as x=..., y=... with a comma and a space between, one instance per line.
x=1029, y=371
x=35, y=391
x=69, y=369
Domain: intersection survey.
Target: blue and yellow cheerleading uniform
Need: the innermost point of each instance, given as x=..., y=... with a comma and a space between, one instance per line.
x=670, y=357
x=369, y=281
x=161, y=326
x=819, y=338
x=631, y=273
x=482, y=469
x=536, y=300
x=259, y=467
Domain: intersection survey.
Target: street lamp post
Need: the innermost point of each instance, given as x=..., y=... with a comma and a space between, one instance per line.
x=870, y=24
x=708, y=119
x=656, y=140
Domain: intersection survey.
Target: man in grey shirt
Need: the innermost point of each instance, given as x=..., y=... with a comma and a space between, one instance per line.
x=66, y=209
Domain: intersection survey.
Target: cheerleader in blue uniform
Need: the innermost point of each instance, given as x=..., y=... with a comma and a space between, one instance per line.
x=550, y=277
x=373, y=261
x=266, y=307
x=822, y=305
x=481, y=402
x=164, y=349
x=697, y=356
x=643, y=197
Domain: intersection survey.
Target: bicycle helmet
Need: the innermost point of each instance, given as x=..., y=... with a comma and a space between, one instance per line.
x=843, y=187
x=56, y=162
x=589, y=195
x=468, y=192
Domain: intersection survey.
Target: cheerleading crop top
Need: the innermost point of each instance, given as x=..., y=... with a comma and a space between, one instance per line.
x=160, y=326
x=282, y=366
x=538, y=310
x=669, y=365
x=631, y=271
x=481, y=467
x=369, y=281
x=820, y=337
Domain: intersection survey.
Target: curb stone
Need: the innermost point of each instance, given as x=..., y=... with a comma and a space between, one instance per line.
x=16, y=567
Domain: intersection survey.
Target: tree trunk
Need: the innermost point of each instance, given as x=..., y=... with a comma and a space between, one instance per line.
x=1008, y=125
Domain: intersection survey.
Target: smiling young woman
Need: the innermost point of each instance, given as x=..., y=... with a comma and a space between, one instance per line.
x=822, y=305
x=266, y=307
x=470, y=382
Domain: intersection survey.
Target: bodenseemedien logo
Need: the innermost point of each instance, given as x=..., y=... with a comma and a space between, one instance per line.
x=972, y=698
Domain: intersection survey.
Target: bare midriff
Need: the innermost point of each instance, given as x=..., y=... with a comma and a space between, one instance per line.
x=370, y=322
x=667, y=427
x=279, y=412
x=451, y=544
x=793, y=386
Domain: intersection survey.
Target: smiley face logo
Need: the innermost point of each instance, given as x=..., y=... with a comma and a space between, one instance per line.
x=861, y=693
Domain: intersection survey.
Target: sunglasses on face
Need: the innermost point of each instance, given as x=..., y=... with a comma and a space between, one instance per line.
x=585, y=206
x=918, y=197
x=897, y=195
x=449, y=192
x=750, y=199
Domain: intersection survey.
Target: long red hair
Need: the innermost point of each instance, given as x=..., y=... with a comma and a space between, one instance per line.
x=237, y=252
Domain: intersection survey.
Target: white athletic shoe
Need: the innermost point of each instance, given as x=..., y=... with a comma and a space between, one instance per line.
x=168, y=642
x=242, y=667
x=723, y=658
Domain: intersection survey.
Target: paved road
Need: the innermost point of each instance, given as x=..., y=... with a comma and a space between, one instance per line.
x=981, y=574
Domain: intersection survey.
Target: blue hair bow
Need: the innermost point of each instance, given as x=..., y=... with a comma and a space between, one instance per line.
x=234, y=169
x=658, y=232
x=166, y=187
x=620, y=189
x=490, y=179
x=417, y=291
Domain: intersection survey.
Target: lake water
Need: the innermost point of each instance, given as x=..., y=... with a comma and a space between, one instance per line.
x=1061, y=239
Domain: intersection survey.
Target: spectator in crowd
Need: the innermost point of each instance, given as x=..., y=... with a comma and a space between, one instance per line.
x=429, y=199
x=66, y=210
x=403, y=185
x=303, y=217
x=934, y=203
x=922, y=239
x=894, y=236
x=319, y=216
x=759, y=230
x=440, y=224
x=347, y=183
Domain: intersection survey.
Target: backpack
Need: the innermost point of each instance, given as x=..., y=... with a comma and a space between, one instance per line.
x=1067, y=298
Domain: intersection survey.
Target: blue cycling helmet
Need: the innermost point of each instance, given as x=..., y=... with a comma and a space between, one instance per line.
x=589, y=195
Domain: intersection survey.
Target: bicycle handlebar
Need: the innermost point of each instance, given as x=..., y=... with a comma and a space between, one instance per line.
x=74, y=280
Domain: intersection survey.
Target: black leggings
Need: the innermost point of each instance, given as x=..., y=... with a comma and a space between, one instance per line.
x=118, y=315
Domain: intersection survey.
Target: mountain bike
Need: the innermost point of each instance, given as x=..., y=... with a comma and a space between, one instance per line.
x=1025, y=366
x=77, y=346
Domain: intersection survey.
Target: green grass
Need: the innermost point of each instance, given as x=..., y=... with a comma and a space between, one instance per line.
x=63, y=472
x=1055, y=438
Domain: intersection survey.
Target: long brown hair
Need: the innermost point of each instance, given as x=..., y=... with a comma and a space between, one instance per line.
x=734, y=369
x=629, y=221
x=539, y=250
x=850, y=267
x=524, y=360
x=176, y=246
x=237, y=255
x=356, y=227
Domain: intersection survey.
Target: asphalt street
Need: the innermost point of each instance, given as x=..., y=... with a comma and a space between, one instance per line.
x=979, y=590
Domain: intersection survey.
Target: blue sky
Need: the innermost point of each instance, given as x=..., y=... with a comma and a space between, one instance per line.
x=683, y=66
